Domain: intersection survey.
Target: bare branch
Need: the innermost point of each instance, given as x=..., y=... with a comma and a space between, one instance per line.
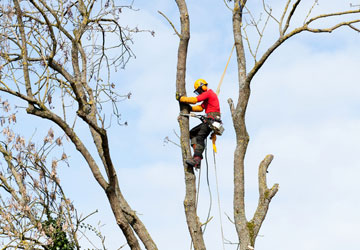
x=232, y=108
x=283, y=16
x=263, y=167
x=262, y=35
x=269, y=13
x=227, y=6
x=248, y=42
x=354, y=28
x=54, y=36
x=265, y=196
x=305, y=27
x=292, y=11
x=332, y=15
x=167, y=140
x=24, y=51
x=311, y=9
x=58, y=22
x=172, y=25
x=331, y=29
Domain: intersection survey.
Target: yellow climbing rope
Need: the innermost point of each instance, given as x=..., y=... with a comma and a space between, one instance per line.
x=222, y=77
x=219, y=204
x=213, y=138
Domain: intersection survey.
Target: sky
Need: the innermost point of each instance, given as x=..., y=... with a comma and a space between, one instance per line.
x=303, y=109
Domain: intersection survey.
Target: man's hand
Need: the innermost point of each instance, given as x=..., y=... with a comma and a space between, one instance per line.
x=184, y=99
x=178, y=96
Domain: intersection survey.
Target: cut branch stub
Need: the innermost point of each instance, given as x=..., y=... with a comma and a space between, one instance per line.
x=264, y=191
x=265, y=197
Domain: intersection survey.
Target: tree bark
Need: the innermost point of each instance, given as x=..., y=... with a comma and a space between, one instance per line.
x=247, y=230
x=242, y=137
x=192, y=219
x=121, y=220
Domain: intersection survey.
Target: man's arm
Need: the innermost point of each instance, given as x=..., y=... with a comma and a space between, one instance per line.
x=197, y=108
x=190, y=100
x=193, y=100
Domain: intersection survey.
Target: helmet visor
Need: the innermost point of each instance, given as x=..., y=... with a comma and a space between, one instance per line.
x=198, y=91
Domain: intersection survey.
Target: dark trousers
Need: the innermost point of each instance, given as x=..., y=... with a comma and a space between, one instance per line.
x=198, y=135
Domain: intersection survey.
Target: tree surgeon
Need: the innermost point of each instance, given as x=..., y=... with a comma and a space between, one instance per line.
x=198, y=134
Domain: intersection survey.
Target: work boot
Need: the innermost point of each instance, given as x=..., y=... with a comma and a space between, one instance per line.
x=194, y=162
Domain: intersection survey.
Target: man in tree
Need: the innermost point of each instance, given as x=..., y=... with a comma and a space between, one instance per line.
x=199, y=133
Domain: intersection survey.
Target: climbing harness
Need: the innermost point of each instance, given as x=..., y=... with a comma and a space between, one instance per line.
x=214, y=123
x=216, y=126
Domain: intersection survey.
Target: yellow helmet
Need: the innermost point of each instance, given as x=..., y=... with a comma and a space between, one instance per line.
x=199, y=83
x=200, y=86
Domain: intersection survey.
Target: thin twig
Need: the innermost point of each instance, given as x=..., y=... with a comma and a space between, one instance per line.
x=167, y=139
x=229, y=218
x=262, y=35
x=228, y=6
x=269, y=13
x=283, y=16
x=172, y=25
x=311, y=9
x=206, y=222
x=291, y=14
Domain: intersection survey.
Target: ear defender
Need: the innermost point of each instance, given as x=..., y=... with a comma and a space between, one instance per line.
x=204, y=87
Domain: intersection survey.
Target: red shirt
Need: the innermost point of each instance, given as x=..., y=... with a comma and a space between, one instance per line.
x=210, y=101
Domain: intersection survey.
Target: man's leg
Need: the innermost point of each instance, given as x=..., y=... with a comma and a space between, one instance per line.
x=193, y=133
x=198, y=143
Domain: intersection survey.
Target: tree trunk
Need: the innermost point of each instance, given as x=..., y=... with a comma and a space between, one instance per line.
x=242, y=137
x=121, y=220
x=247, y=230
x=192, y=219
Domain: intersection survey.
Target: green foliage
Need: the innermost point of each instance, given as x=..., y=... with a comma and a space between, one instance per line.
x=59, y=239
x=93, y=229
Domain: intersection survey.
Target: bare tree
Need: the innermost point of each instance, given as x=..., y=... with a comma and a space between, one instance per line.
x=53, y=56
x=242, y=21
x=35, y=213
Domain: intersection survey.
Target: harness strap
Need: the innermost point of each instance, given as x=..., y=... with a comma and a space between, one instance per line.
x=216, y=116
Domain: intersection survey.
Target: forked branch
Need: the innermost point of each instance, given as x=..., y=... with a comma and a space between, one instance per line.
x=298, y=30
x=265, y=196
x=291, y=14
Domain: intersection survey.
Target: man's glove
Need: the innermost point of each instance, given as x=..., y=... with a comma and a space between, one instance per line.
x=178, y=96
